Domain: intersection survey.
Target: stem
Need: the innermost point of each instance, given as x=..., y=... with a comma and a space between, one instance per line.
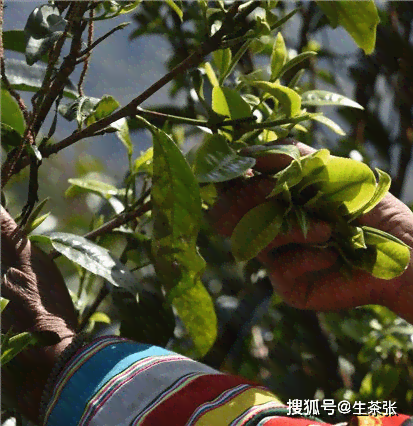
x=104, y=37
x=267, y=124
x=86, y=61
x=171, y=118
x=92, y=308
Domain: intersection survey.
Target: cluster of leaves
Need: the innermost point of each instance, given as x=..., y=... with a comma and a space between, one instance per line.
x=338, y=190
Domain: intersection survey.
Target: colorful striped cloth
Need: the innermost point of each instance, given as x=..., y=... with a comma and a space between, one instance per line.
x=113, y=381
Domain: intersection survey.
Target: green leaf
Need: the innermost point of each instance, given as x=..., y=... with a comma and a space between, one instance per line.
x=211, y=74
x=314, y=162
x=278, y=57
x=240, y=52
x=296, y=79
x=30, y=224
x=11, y=114
x=360, y=19
x=37, y=222
x=216, y=161
x=3, y=303
x=392, y=255
x=9, y=136
x=172, y=4
x=102, y=109
x=100, y=317
x=295, y=61
x=348, y=181
x=144, y=161
x=196, y=309
x=382, y=188
x=29, y=78
x=325, y=98
x=329, y=123
x=43, y=28
x=385, y=381
x=291, y=176
x=177, y=213
x=256, y=230
x=94, y=259
x=129, y=6
x=15, y=40
x=222, y=59
x=302, y=219
x=103, y=189
x=15, y=345
x=82, y=108
x=288, y=98
x=229, y=102
x=209, y=194
x=113, y=9
x=122, y=133
x=357, y=239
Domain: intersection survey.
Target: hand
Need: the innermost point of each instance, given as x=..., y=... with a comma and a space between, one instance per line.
x=39, y=302
x=308, y=277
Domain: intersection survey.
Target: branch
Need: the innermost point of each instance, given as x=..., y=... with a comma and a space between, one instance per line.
x=68, y=65
x=100, y=39
x=117, y=221
x=193, y=60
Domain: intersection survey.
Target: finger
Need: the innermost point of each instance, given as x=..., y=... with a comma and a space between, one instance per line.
x=236, y=200
x=331, y=291
x=15, y=288
x=272, y=163
x=292, y=264
x=15, y=249
x=319, y=233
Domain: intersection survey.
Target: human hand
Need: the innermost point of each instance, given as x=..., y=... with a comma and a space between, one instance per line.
x=308, y=277
x=38, y=302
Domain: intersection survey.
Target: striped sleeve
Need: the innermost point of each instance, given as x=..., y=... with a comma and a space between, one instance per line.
x=113, y=381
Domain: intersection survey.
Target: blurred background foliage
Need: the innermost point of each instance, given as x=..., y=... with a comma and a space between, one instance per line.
x=363, y=354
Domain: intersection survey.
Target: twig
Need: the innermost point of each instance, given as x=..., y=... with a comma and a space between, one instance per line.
x=117, y=221
x=100, y=39
x=92, y=308
x=86, y=62
x=32, y=196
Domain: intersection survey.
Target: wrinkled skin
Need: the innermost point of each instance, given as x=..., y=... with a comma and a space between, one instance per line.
x=39, y=302
x=308, y=277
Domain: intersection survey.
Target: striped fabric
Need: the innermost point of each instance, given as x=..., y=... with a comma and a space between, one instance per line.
x=115, y=382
